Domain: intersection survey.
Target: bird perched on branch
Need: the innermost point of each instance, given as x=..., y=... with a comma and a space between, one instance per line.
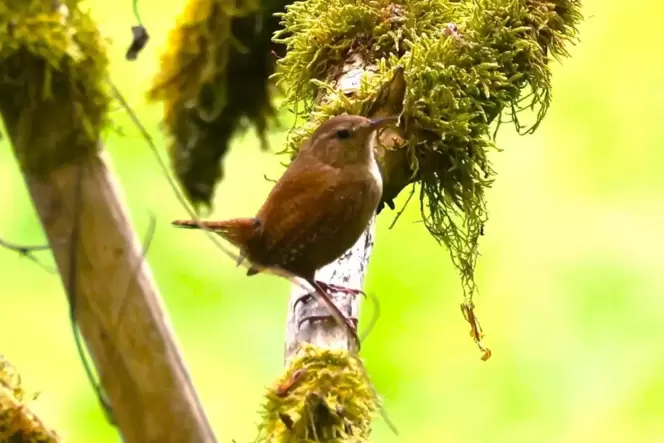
x=317, y=210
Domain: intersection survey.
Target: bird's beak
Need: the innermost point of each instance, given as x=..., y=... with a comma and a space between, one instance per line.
x=380, y=122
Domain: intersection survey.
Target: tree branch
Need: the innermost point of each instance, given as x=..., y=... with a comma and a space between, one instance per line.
x=28, y=252
x=140, y=367
x=325, y=391
x=50, y=120
x=348, y=271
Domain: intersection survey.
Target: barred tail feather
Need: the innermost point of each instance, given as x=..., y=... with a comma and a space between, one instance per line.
x=238, y=231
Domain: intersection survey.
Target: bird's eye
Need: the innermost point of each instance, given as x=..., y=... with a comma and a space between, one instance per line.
x=343, y=134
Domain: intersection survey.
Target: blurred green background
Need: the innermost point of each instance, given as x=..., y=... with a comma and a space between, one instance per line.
x=571, y=275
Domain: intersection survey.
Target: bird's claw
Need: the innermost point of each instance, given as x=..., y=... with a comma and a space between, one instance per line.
x=338, y=288
x=324, y=289
x=329, y=287
x=352, y=320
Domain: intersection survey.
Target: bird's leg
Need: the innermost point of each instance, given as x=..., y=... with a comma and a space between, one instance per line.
x=324, y=299
x=330, y=287
x=338, y=288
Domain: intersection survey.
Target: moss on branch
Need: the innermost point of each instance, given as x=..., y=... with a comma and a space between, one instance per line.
x=53, y=67
x=17, y=423
x=323, y=396
x=465, y=63
x=213, y=82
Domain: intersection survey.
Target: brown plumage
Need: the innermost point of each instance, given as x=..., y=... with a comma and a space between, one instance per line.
x=318, y=209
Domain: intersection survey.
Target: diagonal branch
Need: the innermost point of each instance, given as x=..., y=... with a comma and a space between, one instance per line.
x=325, y=391
x=53, y=105
x=348, y=271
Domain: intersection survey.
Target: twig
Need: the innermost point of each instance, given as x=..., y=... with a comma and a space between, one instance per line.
x=28, y=252
x=403, y=208
x=71, y=294
x=22, y=249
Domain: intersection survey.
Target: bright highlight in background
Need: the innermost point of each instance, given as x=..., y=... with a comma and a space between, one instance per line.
x=571, y=283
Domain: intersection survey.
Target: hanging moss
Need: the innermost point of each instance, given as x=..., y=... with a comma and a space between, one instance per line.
x=53, y=67
x=324, y=396
x=213, y=82
x=465, y=63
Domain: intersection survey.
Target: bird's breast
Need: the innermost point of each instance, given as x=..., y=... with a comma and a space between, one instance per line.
x=374, y=170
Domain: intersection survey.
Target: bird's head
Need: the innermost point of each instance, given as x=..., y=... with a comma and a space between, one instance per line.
x=347, y=139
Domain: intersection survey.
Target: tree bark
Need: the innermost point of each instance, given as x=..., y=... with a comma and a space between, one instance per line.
x=348, y=271
x=117, y=305
x=111, y=291
x=118, y=308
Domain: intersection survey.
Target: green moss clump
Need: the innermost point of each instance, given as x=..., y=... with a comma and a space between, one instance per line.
x=324, y=396
x=17, y=423
x=466, y=63
x=10, y=379
x=213, y=81
x=53, y=69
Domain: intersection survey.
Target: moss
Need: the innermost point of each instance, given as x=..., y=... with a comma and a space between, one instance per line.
x=53, y=67
x=213, y=81
x=466, y=64
x=325, y=387
x=10, y=379
x=17, y=423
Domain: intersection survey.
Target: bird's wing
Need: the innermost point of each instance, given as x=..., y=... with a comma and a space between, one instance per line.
x=303, y=208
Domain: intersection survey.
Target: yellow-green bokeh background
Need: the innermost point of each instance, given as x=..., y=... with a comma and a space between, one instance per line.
x=571, y=273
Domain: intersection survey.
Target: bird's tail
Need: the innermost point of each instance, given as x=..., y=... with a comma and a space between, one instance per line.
x=238, y=231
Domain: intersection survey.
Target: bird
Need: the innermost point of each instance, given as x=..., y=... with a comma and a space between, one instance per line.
x=318, y=208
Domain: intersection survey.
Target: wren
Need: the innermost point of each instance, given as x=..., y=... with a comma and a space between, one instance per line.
x=317, y=210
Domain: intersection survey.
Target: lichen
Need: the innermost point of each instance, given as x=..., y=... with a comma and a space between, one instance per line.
x=53, y=69
x=466, y=64
x=323, y=396
x=213, y=80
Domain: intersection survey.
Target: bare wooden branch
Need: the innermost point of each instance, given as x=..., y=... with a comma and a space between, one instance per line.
x=113, y=297
x=118, y=308
x=349, y=271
